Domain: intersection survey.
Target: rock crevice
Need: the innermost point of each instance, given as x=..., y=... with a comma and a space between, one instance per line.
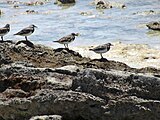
x=61, y=84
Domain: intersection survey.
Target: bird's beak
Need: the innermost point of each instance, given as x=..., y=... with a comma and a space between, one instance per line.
x=77, y=34
x=112, y=45
x=35, y=26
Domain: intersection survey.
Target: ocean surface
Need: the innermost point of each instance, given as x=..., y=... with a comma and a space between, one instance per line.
x=98, y=27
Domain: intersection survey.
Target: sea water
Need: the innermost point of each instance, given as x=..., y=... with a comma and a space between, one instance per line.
x=134, y=43
x=97, y=27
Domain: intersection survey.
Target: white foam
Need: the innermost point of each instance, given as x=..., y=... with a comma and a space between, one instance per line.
x=134, y=55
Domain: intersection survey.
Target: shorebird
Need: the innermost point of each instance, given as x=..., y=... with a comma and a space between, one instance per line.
x=102, y=49
x=67, y=39
x=27, y=31
x=4, y=30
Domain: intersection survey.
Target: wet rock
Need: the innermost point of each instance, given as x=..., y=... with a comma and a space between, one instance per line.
x=86, y=13
x=154, y=25
x=16, y=6
x=13, y=2
x=27, y=3
x=31, y=12
x=102, y=4
x=65, y=1
x=118, y=5
x=123, y=6
x=148, y=12
x=47, y=117
x=34, y=3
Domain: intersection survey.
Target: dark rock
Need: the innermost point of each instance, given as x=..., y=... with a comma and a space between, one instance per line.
x=144, y=13
x=16, y=6
x=103, y=95
x=69, y=104
x=4, y=59
x=112, y=84
x=11, y=93
x=34, y=3
x=66, y=50
x=154, y=25
x=31, y=12
x=123, y=6
x=122, y=91
x=43, y=81
x=28, y=78
x=102, y=4
x=100, y=60
x=28, y=43
x=45, y=57
x=65, y=1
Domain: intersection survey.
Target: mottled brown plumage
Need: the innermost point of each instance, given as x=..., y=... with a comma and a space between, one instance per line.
x=67, y=39
x=4, y=30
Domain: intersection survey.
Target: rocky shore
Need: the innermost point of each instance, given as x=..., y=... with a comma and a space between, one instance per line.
x=60, y=84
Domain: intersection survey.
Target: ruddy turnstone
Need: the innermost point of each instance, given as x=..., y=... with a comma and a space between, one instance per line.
x=67, y=39
x=102, y=49
x=4, y=30
x=27, y=31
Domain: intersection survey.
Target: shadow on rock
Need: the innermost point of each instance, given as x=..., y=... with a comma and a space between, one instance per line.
x=100, y=60
x=28, y=43
x=67, y=51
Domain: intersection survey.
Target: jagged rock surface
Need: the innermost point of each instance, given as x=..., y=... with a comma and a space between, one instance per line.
x=41, y=81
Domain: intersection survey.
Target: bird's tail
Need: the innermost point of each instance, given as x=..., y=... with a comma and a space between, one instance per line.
x=56, y=41
x=15, y=34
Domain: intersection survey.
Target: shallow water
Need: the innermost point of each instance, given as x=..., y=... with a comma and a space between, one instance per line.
x=134, y=55
x=101, y=26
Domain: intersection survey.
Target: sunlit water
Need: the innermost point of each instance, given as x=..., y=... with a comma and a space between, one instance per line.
x=100, y=27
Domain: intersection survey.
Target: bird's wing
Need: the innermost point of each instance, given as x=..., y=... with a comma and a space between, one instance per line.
x=24, y=31
x=98, y=48
x=66, y=38
x=3, y=30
